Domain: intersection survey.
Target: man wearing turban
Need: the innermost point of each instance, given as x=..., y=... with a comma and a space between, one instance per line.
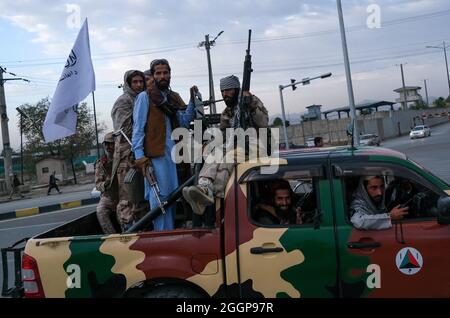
x=214, y=177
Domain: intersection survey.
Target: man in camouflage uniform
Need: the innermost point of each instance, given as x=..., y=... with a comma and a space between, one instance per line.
x=130, y=207
x=106, y=208
x=214, y=177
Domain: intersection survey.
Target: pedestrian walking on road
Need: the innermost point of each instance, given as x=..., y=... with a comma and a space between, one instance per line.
x=52, y=183
x=15, y=187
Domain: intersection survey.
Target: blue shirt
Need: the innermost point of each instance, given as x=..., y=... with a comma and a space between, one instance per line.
x=164, y=166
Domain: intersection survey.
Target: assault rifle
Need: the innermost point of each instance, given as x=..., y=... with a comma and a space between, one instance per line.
x=244, y=103
x=149, y=175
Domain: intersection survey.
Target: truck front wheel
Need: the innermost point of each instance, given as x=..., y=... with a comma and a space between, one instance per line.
x=173, y=291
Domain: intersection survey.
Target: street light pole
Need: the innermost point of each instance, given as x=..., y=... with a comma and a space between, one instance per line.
x=304, y=81
x=284, y=117
x=443, y=47
x=348, y=73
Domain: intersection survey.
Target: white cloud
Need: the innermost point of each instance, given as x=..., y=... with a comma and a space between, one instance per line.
x=32, y=24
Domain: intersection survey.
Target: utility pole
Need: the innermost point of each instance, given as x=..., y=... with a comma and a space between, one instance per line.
x=7, y=152
x=405, y=105
x=444, y=47
x=348, y=74
x=426, y=92
x=208, y=44
x=21, y=147
x=446, y=66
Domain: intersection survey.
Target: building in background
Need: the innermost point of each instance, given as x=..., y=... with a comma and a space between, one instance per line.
x=45, y=167
x=412, y=95
x=314, y=113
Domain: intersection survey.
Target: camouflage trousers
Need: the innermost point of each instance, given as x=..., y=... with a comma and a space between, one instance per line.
x=129, y=213
x=216, y=175
x=106, y=210
x=129, y=210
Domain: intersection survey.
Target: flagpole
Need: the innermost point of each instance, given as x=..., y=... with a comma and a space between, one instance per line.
x=95, y=121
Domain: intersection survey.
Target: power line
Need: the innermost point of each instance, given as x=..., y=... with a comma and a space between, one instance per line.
x=143, y=52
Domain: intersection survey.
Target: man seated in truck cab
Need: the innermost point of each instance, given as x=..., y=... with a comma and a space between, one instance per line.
x=421, y=201
x=281, y=210
x=368, y=208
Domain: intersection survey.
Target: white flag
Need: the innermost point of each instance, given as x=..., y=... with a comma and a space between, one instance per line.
x=76, y=82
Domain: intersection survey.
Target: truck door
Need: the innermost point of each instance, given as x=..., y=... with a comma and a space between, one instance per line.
x=411, y=257
x=287, y=260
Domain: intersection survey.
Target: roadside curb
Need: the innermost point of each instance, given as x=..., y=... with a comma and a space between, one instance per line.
x=45, y=209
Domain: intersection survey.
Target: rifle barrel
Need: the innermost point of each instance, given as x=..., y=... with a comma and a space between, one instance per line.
x=154, y=213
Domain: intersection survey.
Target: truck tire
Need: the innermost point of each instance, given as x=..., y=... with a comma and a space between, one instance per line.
x=173, y=291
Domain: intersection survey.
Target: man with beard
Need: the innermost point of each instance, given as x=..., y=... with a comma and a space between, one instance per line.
x=106, y=208
x=214, y=177
x=368, y=208
x=281, y=210
x=122, y=117
x=157, y=112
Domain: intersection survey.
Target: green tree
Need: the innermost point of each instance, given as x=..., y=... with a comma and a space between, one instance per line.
x=277, y=122
x=439, y=103
x=420, y=105
x=70, y=147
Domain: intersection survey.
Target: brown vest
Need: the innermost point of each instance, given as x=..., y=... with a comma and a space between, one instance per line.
x=155, y=129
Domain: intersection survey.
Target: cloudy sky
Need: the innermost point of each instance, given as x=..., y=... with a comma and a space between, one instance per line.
x=291, y=39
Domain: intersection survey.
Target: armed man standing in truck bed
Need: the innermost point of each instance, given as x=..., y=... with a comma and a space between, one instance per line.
x=128, y=210
x=213, y=177
x=106, y=208
x=156, y=113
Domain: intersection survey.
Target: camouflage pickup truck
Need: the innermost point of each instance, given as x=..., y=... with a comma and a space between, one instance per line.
x=239, y=257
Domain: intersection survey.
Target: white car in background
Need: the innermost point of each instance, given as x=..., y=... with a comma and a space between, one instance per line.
x=420, y=131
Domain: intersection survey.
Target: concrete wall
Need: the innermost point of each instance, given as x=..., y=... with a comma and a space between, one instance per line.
x=386, y=124
x=51, y=165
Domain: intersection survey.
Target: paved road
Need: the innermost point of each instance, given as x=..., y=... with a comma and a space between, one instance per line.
x=84, y=192
x=432, y=152
x=13, y=230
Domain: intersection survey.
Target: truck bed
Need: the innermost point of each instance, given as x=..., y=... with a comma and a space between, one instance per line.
x=83, y=226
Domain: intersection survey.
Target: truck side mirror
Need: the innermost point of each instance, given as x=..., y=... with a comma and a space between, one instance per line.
x=443, y=210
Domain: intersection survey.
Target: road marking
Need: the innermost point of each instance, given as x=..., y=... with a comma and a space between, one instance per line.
x=71, y=204
x=47, y=213
x=26, y=212
x=27, y=226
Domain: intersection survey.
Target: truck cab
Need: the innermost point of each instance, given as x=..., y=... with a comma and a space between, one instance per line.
x=240, y=257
